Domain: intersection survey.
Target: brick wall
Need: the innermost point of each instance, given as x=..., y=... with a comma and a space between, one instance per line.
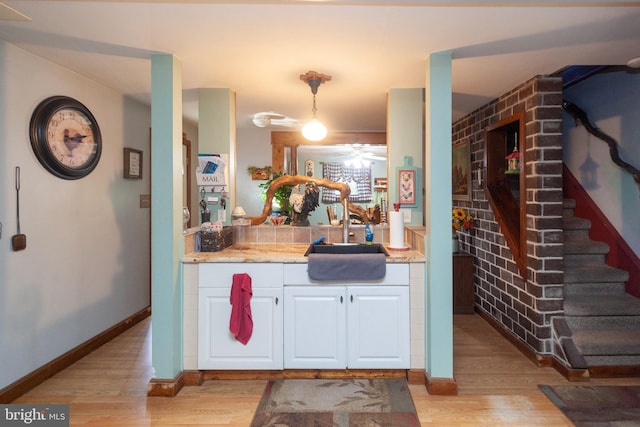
x=522, y=305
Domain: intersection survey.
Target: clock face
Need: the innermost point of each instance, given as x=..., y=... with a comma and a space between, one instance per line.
x=65, y=137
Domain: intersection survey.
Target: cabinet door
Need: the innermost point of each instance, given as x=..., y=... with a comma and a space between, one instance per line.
x=379, y=329
x=314, y=327
x=218, y=348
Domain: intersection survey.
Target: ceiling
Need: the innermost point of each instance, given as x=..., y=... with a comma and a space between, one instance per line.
x=259, y=48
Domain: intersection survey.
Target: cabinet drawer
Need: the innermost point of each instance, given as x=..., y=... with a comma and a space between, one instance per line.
x=217, y=275
x=397, y=275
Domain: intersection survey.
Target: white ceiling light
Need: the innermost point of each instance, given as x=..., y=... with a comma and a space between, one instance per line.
x=314, y=130
x=358, y=161
x=261, y=120
x=270, y=118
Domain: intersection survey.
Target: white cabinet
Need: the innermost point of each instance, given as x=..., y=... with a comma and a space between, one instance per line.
x=314, y=327
x=301, y=324
x=378, y=327
x=217, y=347
x=341, y=326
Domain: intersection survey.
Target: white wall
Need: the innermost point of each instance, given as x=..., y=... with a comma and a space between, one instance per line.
x=611, y=102
x=405, y=129
x=253, y=149
x=86, y=264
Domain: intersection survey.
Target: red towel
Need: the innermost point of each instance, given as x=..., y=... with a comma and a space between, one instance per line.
x=241, y=323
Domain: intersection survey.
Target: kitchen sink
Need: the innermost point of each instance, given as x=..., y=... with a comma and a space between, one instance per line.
x=348, y=248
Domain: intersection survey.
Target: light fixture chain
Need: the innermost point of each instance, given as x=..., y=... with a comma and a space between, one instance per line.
x=314, y=130
x=314, y=109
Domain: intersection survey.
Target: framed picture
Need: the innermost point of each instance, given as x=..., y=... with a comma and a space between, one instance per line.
x=132, y=163
x=407, y=186
x=461, y=172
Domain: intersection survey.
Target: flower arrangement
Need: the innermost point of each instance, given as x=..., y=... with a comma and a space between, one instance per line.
x=461, y=220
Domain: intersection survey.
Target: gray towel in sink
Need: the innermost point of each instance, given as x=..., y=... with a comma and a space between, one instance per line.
x=347, y=267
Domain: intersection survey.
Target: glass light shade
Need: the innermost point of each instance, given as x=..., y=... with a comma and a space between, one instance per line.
x=238, y=211
x=314, y=130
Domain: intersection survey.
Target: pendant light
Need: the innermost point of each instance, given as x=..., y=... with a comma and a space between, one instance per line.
x=314, y=130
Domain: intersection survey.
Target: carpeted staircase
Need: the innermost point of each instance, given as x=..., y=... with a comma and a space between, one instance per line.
x=601, y=324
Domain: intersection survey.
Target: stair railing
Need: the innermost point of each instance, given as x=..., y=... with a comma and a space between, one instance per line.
x=580, y=115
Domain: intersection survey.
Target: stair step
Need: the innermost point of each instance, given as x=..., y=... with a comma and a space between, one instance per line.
x=603, y=321
x=608, y=342
x=584, y=246
x=584, y=251
x=574, y=223
x=576, y=323
x=569, y=203
x=568, y=209
x=576, y=228
x=578, y=260
x=602, y=305
x=594, y=273
x=614, y=360
x=594, y=289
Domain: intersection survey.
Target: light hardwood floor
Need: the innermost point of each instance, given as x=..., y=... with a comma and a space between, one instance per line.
x=497, y=386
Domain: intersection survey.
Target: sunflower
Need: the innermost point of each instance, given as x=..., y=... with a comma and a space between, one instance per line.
x=461, y=219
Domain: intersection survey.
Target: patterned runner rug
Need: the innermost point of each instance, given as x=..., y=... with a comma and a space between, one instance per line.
x=597, y=405
x=336, y=403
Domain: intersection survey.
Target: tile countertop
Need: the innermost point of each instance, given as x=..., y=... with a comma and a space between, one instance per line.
x=285, y=253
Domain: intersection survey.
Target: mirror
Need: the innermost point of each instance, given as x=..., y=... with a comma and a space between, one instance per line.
x=356, y=158
x=349, y=154
x=285, y=145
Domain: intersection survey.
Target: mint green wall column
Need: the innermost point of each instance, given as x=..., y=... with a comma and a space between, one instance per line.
x=439, y=276
x=217, y=131
x=405, y=130
x=166, y=215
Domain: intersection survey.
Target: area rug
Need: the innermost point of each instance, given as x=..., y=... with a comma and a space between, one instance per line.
x=597, y=405
x=336, y=403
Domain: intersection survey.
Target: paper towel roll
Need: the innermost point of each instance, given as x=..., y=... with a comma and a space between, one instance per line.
x=396, y=230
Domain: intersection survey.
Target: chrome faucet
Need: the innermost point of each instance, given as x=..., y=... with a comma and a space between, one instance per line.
x=345, y=220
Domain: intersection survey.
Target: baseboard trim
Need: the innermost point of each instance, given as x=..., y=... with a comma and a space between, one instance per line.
x=441, y=386
x=31, y=380
x=208, y=375
x=192, y=378
x=539, y=360
x=617, y=371
x=416, y=376
x=160, y=387
x=571, y=374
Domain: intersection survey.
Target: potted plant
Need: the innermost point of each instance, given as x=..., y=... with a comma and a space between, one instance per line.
x=259, y=173
x=281, y=196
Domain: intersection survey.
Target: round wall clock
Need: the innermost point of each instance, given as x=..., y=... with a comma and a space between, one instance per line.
x=65, y=137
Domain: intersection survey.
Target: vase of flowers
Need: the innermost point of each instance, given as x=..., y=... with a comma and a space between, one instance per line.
x=460, y=221
x=455, y=244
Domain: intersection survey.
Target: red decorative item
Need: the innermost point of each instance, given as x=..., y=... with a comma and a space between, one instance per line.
x=396, y=207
